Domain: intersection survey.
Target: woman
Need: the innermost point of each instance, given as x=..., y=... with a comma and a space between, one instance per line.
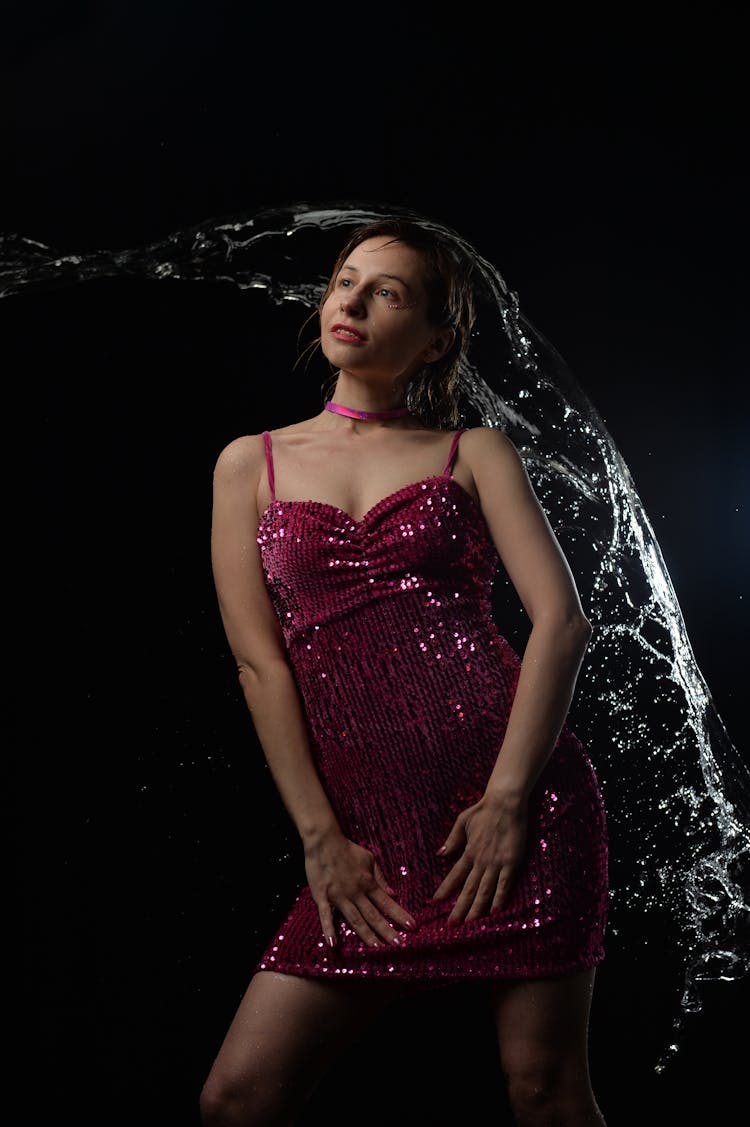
x=452, y=824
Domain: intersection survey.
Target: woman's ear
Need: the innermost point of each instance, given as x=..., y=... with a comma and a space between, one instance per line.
x=439, y=345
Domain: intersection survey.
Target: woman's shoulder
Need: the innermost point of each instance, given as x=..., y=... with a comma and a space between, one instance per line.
x=486, y=442
x=245, y=455
x=242, y=457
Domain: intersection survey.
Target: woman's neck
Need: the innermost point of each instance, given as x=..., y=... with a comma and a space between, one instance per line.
x=354, y=395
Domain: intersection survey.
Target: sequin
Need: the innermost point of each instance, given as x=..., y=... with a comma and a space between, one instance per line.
x=405, y=732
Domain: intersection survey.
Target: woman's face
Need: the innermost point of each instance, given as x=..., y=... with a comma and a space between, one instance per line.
x=375, y=317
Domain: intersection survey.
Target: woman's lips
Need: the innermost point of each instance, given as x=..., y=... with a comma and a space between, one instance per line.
x=347, y=333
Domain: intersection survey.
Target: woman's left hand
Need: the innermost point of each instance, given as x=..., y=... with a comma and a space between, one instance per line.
x=491, y=840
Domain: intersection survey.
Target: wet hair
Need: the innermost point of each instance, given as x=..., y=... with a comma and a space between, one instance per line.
x=433, y=393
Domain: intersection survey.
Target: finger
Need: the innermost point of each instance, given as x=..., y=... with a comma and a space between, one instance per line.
x=455, y=840
x=370, y=924
x=393, y=910
x=382, y=897
x=484, y=896
x=381, y=926
x=326, y=923
x=453, y=880
x=380, y=878
x=465, y=899
x=505, y=880
x=360, y=925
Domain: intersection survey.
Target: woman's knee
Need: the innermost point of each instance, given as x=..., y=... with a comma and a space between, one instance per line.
x=533, y=1091
x=542, y=1028
x=246, y=1101
x=223, y=1104
x=550, y=1091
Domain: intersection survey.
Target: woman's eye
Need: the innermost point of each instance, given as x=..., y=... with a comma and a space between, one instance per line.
x=387, y=293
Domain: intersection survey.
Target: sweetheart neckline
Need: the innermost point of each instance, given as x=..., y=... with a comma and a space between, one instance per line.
x=373, y=508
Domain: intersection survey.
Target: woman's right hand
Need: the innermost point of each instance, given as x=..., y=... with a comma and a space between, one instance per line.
x=346, y=877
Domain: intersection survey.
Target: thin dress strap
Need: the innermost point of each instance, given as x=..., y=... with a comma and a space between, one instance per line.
x=452, y=455
x=269, y=464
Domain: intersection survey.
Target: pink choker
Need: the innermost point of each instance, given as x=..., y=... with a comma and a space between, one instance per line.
x=351, y=413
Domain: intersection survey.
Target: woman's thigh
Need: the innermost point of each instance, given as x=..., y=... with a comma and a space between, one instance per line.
x=544, y=1023
x=285, y=1033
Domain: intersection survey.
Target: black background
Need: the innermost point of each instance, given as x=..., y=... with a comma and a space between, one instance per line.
x=602, y=170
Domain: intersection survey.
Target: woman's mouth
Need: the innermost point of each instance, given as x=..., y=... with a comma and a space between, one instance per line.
x=347, y=333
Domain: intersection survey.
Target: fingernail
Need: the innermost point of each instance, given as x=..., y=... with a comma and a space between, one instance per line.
x=330, y=940
x=442, y=849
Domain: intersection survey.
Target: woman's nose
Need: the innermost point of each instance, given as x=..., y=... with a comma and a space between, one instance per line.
x=351, y=302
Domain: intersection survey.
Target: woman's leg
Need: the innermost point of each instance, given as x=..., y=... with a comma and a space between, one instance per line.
x=542, y=1029
x=286, y=1032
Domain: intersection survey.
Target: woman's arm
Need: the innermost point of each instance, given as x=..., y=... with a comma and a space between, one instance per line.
x=560, y=631
x=341, y=873
x=492, y=833
x=255, y=639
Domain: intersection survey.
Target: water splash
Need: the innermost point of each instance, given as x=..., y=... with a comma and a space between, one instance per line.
x=677, y=791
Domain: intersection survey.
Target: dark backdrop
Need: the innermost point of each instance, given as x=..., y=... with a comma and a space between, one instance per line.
x=603, y=172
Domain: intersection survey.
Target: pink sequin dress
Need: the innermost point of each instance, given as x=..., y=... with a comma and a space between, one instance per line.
x=407, y=685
